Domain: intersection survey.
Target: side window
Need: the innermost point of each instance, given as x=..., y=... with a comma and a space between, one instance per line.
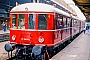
x=14, y=21
x=75, y=23
x=32, y=18
x=58, y=21
x=68, y=22
x=21, y=21
x=64, y=22
x=42, y=21
x=72, y=22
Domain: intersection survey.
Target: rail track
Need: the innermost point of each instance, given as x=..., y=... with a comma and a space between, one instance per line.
x=4, y=37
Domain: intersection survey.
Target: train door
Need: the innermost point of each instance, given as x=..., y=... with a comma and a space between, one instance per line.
x=45, y=23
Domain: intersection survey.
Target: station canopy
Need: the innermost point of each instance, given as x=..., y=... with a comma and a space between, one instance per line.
x=84, y=5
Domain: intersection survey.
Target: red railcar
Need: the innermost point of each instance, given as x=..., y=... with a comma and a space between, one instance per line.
x=37, y=28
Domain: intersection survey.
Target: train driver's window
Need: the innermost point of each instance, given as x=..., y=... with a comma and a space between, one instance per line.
x=14, y=21
x=42, y=21
x=21, y=21
x=32, y=18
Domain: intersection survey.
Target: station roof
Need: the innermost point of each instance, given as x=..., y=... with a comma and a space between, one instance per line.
x=9, y=4
x=84, y=5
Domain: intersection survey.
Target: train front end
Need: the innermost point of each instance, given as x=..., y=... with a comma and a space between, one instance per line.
x=31, y=37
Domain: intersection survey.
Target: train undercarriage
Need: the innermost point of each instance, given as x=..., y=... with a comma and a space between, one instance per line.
x=33, y=52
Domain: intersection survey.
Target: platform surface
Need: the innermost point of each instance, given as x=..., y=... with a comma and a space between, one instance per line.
x=2, y=32
x=79, y=49
x=3, y=53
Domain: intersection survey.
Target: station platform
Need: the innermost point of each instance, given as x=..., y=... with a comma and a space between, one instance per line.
x=78, y=49
x=3, y=53
x=2, y=32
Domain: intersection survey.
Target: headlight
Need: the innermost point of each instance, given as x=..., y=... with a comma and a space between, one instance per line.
x=36, y=50
x=41, y=40
x=9, y=47
x=13, y=37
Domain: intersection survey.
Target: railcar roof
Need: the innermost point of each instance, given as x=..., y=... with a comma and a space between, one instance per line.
x=33, y=7
x=38, y=7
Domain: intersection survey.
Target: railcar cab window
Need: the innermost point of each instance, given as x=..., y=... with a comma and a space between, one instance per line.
x=32, y=18
x=14, y=21
x=42, y=21
x=21, y=21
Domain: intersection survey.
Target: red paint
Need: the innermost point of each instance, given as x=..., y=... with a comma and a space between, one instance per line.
x=36, y=22
x=26, y=21
x=50, y=23
x=31, y=37
x=10, y=20
x=17, y=21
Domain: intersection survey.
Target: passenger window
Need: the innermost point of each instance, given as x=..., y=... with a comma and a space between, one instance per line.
x=58, y=22
x=21, y=21
x=64, y=22
x=14, y=21
x=42, y=21
x=68, y=22
x=32, y=18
